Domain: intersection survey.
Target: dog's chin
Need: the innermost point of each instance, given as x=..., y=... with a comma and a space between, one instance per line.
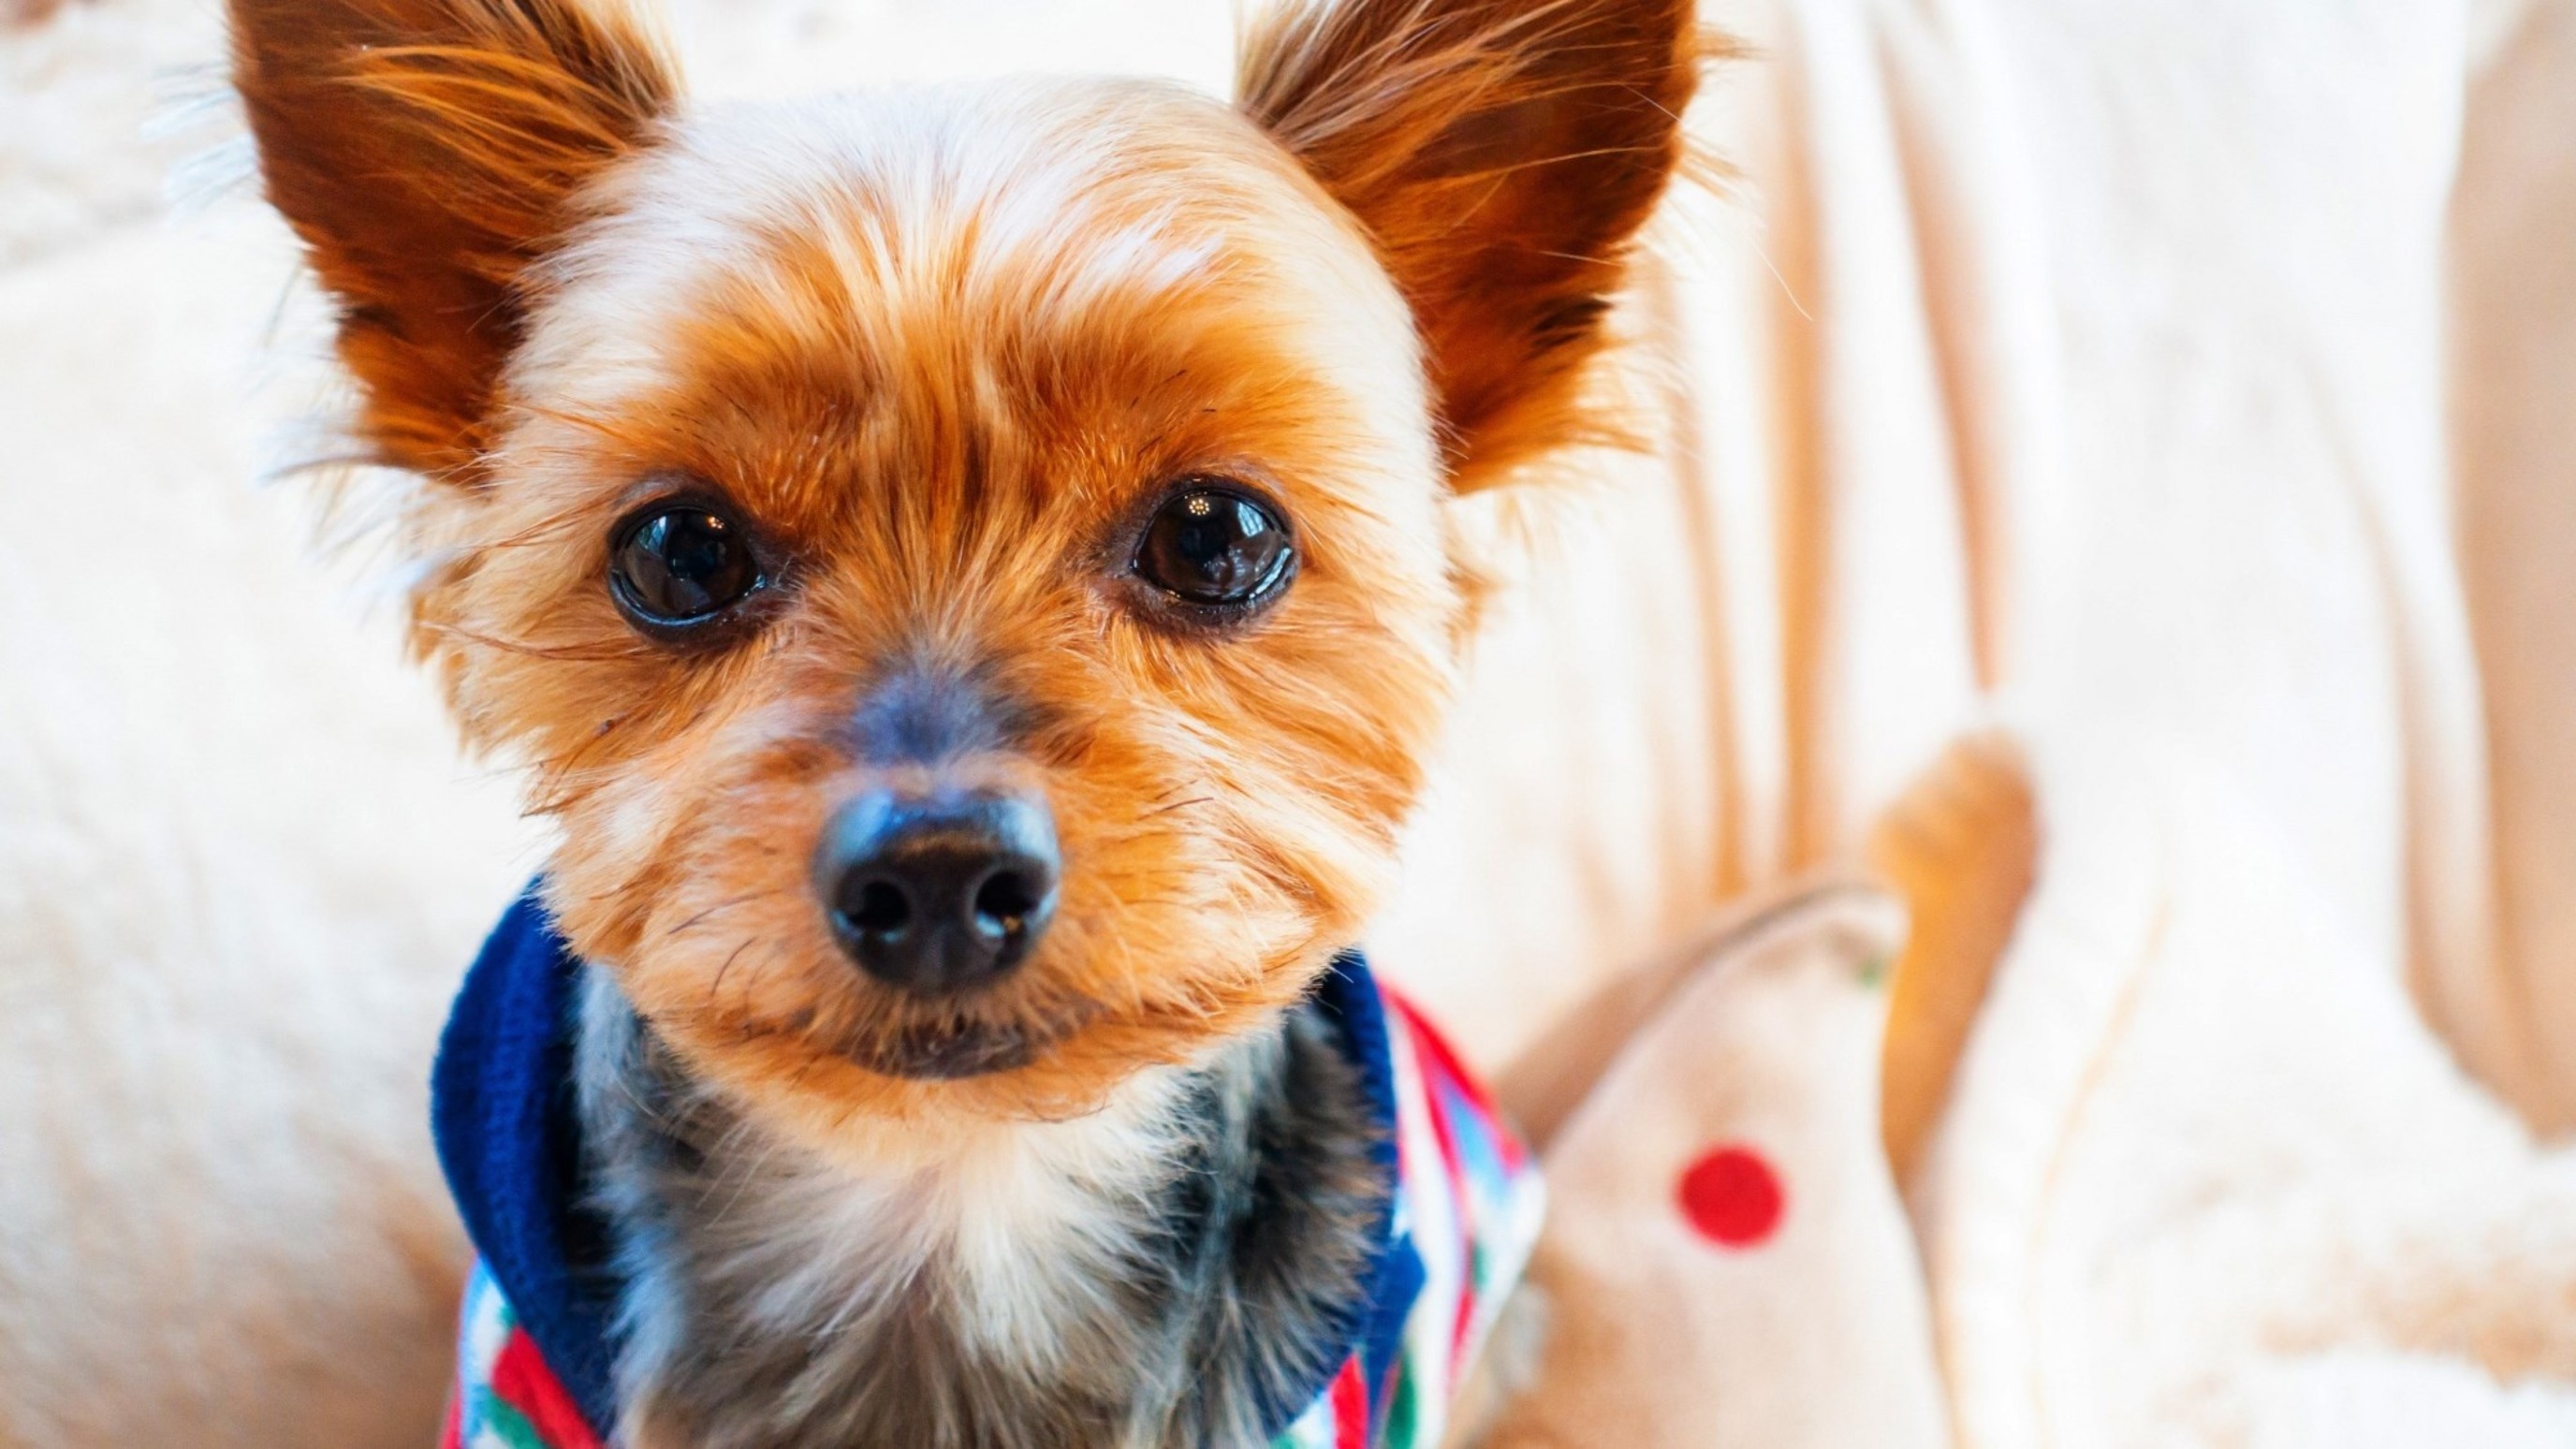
x=948, y=1053
x=952, y=1048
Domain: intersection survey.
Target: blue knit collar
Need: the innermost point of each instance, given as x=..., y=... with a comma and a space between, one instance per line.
x=509, y=1140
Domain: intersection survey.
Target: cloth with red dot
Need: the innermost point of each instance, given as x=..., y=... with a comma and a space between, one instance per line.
x=1725, y=1260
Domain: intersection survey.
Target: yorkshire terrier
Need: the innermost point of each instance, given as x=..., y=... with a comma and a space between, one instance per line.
x=965, y=568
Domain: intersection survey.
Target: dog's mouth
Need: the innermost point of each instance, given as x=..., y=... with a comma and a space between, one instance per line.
x=956, y=1047
x=947, y=1053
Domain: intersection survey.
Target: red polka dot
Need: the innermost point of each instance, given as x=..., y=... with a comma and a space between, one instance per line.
x=1732, y=1197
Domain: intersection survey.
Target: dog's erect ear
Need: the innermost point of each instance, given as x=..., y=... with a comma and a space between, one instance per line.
x=427, y=151
x=1502, y=153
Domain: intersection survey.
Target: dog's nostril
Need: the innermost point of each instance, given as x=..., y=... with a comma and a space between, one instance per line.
x=1003, y=902
x=882, y=909
x=938, y=894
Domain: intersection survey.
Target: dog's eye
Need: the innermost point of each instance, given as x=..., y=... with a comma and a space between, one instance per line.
x=679, y=564
x=1215, y=547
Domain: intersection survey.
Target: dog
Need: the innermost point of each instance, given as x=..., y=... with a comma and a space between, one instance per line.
x=966, y=571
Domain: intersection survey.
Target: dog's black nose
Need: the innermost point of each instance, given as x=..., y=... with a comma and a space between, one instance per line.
x=939, y=894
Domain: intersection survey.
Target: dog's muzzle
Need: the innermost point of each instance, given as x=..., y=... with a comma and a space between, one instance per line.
x=938, y=894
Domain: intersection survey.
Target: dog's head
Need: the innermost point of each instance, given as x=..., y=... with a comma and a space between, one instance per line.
x=965, y=566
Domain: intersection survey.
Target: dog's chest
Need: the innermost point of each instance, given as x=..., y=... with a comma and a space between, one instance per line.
x=1296, y=1244
x=1162, y=1273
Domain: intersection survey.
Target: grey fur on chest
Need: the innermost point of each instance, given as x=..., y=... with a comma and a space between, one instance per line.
x=1144, y=1281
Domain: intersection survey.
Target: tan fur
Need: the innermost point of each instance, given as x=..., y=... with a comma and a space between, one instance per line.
x=941, y=348
x=426, y=151
x=1501, y=154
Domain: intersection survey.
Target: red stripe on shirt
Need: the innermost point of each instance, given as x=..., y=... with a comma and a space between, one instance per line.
x=1441, y=1075
x=1428, y=1040
x=1350, y=1407
x=522, y=1380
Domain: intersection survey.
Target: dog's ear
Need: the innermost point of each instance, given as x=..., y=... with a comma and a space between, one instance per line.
x=427, y=152
x=1502, y=154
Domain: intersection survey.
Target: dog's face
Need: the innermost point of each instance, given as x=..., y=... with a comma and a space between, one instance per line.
x=1011, y=468
x=965, y=567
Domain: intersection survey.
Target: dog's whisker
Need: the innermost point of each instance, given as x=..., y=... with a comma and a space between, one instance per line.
x=1180, y=805
x=718, y=909
x=717, y=984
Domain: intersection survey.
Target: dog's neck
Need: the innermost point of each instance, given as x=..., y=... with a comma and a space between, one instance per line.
x=1161, y=1274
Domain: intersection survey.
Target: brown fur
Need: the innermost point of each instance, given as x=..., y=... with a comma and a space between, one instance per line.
x=427, y=151
x=945, y=368
x=1502, y=154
